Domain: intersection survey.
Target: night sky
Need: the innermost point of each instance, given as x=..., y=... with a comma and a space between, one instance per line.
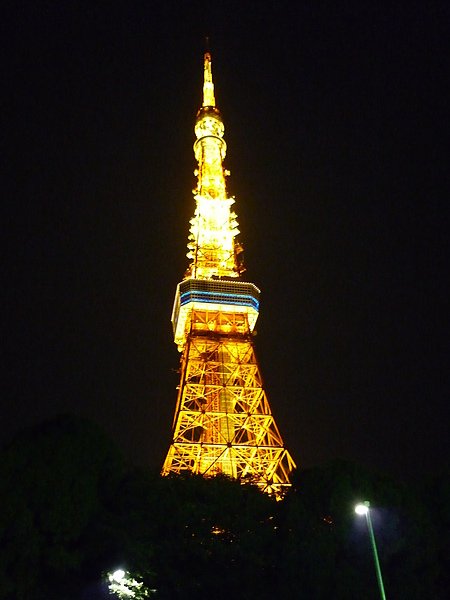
x=335, y=117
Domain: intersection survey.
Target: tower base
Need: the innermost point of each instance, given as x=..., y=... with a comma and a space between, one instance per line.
x=223, y=423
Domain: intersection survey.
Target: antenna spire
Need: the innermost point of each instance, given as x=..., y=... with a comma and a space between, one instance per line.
x=208, y=85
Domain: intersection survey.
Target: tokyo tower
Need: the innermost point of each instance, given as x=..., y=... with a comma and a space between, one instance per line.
x=223, y=423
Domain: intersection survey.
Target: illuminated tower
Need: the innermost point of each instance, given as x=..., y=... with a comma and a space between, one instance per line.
x=223, y=422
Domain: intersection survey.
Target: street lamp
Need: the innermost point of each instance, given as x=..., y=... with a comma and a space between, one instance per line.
x=363, y=509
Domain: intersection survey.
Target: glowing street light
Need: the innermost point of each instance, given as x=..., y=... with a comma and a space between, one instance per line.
x=363, y=509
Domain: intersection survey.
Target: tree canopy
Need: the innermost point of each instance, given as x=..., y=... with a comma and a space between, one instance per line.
x=73, y=510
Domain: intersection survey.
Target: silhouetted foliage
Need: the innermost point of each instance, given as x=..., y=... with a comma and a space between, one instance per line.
x=435, y=494
x=55, y=481
x=71, y=511
x=335, y=558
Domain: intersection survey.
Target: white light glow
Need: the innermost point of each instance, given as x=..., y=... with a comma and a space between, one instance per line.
x=118, y=575
x=124, y=586
x=362, y=509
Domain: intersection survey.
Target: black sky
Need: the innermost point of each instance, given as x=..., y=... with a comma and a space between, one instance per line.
x=336, y=118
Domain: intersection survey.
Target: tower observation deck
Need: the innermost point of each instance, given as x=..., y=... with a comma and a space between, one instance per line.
x=223, y=423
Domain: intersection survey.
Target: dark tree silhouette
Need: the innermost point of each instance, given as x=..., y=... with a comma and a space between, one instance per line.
x=71, y=511
x=55, y=481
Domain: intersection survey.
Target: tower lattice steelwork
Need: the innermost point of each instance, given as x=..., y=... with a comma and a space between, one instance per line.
x=223, y=422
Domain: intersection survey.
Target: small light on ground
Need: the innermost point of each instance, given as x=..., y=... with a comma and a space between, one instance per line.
x=118, y=575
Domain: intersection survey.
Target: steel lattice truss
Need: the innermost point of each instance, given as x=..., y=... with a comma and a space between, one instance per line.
x=223, y=422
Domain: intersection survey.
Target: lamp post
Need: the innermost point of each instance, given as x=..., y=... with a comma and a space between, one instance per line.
x=363, y=509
